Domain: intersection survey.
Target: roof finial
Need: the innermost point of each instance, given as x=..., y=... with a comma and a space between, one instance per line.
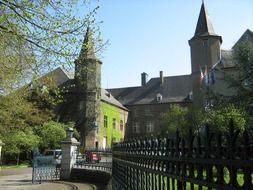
x=203, y=1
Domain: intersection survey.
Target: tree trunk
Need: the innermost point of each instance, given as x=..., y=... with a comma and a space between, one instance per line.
x=18, y=158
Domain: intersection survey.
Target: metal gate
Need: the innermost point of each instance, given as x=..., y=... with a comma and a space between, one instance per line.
x=45, y=168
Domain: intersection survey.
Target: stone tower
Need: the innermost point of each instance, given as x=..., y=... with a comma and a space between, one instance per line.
x=205, y=52
x=88, y=90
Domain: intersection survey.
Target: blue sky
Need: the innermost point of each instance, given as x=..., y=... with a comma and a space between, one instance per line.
x=152, y=35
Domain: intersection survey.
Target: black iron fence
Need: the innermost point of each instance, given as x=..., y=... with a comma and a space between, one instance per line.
x=95, y=159
x=206, y=161
x=45, y=168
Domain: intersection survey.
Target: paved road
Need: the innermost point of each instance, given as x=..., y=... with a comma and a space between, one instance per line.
x=20, y=179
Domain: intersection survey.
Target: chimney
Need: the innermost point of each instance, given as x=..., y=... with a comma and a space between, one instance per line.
x=161, y=78
x=144, y=78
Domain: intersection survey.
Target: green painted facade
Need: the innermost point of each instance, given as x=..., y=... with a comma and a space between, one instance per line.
x=110, y=114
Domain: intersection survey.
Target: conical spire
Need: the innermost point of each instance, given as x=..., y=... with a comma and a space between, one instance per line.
x=87, y=51
x=204, y=25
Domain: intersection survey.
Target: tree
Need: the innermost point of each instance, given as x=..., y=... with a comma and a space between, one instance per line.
x=19, y=141
x=15, y=62
x=242, y=80
x=40, y=35
x=174, y=118
x=16, y=113
x=51, y=134
x=51, y=28
x=243, y=56
x=219, y=118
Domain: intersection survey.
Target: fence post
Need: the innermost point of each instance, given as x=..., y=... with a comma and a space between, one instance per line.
x=69, y=149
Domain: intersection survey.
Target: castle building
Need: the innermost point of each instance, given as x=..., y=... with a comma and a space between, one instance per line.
x=98, y=116
x=106, y=116
x=208, y=65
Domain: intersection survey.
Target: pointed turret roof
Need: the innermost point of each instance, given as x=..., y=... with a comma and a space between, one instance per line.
x=87, y=50
x=247, y=36
x=204, y=25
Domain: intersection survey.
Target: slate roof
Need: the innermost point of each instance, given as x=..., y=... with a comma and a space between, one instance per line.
x=124, y=94
x=204, y=25
x=108, y=97
x=227, y=55
x=227, y=58
x=173, y=89
x=64, y=78
x=60, y=75
x=247, y=35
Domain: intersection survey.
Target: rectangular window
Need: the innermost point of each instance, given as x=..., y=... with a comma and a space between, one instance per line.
x=150, y=127
x=114, y=123
x=121, y=125
x=105, y=121
x=147, y=111
x=135, y=112
x=136, y=127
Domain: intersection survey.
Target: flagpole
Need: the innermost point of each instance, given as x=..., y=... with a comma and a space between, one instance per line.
x=208, y=94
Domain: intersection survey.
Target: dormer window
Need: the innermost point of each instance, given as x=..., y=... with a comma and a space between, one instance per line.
x=159, y=97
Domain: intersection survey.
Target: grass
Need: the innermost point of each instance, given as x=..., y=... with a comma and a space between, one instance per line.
x=163, y=183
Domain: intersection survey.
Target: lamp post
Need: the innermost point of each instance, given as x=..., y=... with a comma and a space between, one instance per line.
x=70, y=132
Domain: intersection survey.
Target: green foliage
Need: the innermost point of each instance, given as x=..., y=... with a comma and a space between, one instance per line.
x=52, y=29
x=15, y=62
x=19, y=141
x=17, y=113
x=37, y=36
x=195, y=117
x=175, y=118
x=242, y=81
x=51, y=134
x=220, y=117
x=243, y=56
x=18, y=116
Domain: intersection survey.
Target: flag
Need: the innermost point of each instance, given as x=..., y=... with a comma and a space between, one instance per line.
x=206, y=76
x=201, y=76
x=213, y=77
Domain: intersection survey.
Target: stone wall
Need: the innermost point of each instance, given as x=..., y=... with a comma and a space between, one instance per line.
x=101, y=179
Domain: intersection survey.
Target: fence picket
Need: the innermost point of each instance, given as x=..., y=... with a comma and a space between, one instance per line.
x=209, y=160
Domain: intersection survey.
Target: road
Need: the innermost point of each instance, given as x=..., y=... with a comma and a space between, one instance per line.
x=20, y=179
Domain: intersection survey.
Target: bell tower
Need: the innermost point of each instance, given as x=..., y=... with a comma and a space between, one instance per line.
x=88, y=90
x=205, y=52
